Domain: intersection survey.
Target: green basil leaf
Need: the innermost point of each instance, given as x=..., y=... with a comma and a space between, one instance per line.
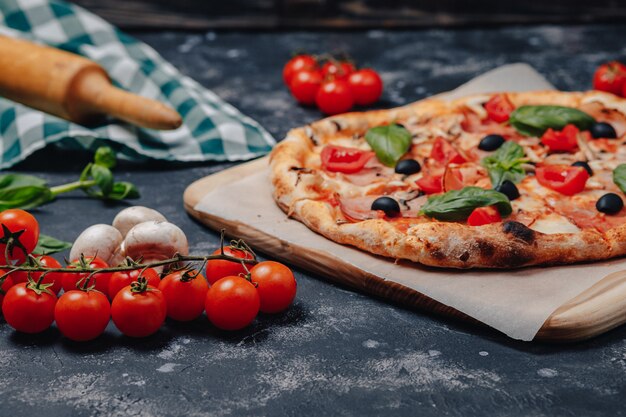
x=619, y=177
x=122, y=190
x=105, y=157
x=20, y=180
x=47, y=245
x=457, y=205
x=506, y=164
x=535, y=120
x=389, y=142
x=103, y=177
x=25, y=197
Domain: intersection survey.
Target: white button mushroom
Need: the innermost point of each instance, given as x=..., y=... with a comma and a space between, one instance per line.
x=155, y=240
x=99, y=240
x=132, y=216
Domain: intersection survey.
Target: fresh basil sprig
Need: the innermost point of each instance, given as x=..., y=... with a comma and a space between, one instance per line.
x=389, y=142
x=506, y=164
x=27, y=191
x=48, y=245
x=457, y=205
x=535, y=120
x=619, y=177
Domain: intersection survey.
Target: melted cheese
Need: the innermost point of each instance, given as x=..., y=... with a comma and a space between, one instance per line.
x=554, y=223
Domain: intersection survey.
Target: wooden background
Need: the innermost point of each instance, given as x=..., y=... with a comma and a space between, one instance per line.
x=340, y=14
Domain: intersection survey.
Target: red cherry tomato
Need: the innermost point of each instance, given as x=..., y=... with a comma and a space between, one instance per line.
x=54, y=278
x=305, y=85
x=499, y=108
x=366, y=85
x=101, y=278
x=138, y=314
x=6, y=285
x=232, y=303
x=297, y=64
x=26, y=311
x=444, y=153
x=276, y=286
x=565, y=179
x=484, y=215
x=334, y=97
x=185, y=295
x=82, y=315
x=17, y=220
x=121, y=279
x=217, y=269
x=564, y=140
x=342, y=159
x=337, y=70
x=430, y=185
x=610, y=77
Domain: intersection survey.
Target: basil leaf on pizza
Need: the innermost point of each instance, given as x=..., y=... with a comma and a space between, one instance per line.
x=619, y=177
x=457, y=205
x=506, y=164
x=389, y=142
x=535, y=120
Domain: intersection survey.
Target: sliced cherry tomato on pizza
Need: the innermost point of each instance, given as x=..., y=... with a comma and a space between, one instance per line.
x=565, y=179
x=342, y=159
x=430, y=184
x=563, y=140
x=610, y=77
x=484, y=215
x=444, y=153
x=499, y=108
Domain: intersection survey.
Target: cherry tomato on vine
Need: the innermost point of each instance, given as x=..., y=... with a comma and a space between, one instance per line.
x=610, y=77
x=29, y=308
x=54, y=278
x=276, y=286
x=6, y=285
x=219, y=268
x=305, y=85
x=185, y=294
x=232, y=303
x=339, y=70
x=101, y=278
x=366, y=85
x=121, y=279
x=297, y=64
x=138, y=310
x=334, y=96
x=16, y=221
x=82, y=315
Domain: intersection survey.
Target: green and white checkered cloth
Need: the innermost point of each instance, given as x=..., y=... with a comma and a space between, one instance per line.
x=212, y=129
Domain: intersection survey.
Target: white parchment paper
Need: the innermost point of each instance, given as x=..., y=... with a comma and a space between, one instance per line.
x=516, y=302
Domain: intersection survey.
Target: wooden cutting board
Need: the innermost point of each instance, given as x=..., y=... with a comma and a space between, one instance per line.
x=599, y=309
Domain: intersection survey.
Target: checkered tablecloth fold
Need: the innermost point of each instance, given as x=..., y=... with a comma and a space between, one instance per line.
x=212, y=129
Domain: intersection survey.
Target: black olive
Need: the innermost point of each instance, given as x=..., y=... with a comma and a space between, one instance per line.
x=490, y=143
x=602, y=130
x=508, y=189
x=388, y=205
x=408, y=167
x=610, y=203
x=584, y=165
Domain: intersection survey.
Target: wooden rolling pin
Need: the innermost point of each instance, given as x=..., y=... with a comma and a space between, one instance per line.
x=72, y=87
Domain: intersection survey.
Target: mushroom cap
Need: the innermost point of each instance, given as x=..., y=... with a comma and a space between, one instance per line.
x=132, y=216
x=102, y=240
x=155, y=240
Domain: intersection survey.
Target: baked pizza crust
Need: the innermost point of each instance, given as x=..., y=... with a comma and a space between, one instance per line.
x=440, y=244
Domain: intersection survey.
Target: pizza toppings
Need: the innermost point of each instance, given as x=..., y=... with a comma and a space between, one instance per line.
x=602, y=130
x=535, y=120
x=484, y=215
x=389, y=142
x=619, y=177
x=430, y=184
x=565, y=140
x=444, y=153
x=490, y=143
x=567, y=180
x=499, y=108
x=610, y=203
x=508, y=189
x=342, y=159
x=584, y=165
x=388, y=205
x=408, y=167
x=506, y=164
x=457, y=205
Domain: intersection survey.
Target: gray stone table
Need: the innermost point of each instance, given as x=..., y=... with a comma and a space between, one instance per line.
x=335, y=352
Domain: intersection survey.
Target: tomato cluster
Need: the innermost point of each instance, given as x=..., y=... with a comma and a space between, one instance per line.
x=335, y=86
x=138, y=301
x=611, y=77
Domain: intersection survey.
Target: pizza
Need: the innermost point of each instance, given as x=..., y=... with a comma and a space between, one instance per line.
x=498, y=180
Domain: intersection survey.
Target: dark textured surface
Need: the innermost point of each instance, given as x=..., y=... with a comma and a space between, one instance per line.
x=335, y=352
